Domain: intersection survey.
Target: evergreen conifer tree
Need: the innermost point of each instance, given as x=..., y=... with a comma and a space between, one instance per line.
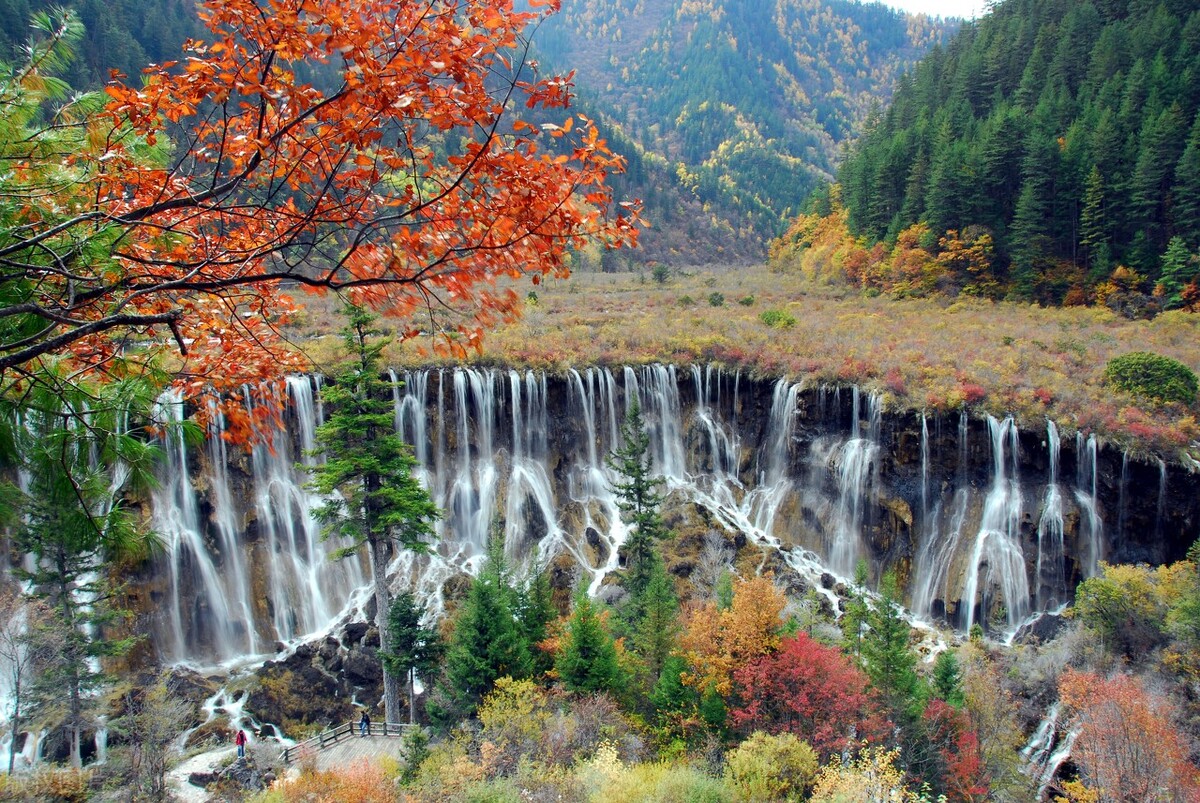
x=854, y=616
x=639, y=498
x=947, y=679
x=371, y=496
x=588, y=661
x=1185, y=192
x=70, y=440
x=487, y=642
x=1093, y=229
x=535, y=611
x=889, y=661
x=656, y=625
x=675, y=703
x=1178, y=268
x=413, y=648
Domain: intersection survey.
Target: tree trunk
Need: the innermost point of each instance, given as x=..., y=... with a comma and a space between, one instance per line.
x=383, y=601
x=76, y=753
x=412, y=697
x=16, y=734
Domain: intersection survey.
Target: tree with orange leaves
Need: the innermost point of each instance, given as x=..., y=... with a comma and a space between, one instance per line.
x=175, y=215
x=717, y=642
x=1125, y=747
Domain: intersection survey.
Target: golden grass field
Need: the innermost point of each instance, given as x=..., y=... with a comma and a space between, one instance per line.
x=923, y=354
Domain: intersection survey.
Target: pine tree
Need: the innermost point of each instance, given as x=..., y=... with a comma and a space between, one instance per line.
x=1033, y=217
x=854, y=615
x=1185, y=191
x=1093, y=230
x=371, y=495
x=588, y=661
x=1178, y=268
x=639, y=499
x=487, y=642
x=413, y=648
x=535, y=611
x=947, y=679
x=1162, y=145
x=888, y=659
x=656, y=626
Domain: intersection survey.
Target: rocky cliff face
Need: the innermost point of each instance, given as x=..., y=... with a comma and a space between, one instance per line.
x=983, y=522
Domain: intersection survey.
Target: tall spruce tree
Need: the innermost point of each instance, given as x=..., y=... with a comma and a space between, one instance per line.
x=655, y=628
x=588, y=661
x=412, y=647
x=1178, y=268
x=1093, y=228
x=889, y=660
x=535, y=611
x=639, y=498
x=1185, y=192
x=371, y=496
x=487, y=642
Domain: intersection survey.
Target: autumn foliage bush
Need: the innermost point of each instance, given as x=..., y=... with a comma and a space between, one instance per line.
x=1126, y=745
x=770, y=767
x=810, y=690
x=361, y=781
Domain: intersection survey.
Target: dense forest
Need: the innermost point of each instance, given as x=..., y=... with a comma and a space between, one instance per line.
x=1060, y=137
x=729, y=116
x=123, y=35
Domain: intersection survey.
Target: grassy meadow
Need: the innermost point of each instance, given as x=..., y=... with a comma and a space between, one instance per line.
x=933, y=354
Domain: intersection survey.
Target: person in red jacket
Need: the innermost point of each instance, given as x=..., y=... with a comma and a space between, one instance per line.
x=240, y=741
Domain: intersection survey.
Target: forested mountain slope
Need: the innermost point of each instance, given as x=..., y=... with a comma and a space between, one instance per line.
x=122, y=35
x=1065, y=130
x=729, y=111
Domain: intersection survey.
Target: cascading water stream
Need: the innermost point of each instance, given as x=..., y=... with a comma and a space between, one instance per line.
x=493, y=448
x=1049, y=574
x=854, y=463
x=1091, y=526
x=212, y=616
x=203, y=624
x=997, y=552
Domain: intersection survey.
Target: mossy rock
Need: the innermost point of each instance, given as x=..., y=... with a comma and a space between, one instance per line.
x=216, y=732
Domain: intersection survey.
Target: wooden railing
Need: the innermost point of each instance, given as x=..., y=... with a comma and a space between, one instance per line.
x=328, y=738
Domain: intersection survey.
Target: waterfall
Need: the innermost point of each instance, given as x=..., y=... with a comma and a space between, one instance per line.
x=931, y=567
x=1121, y=489
x=1160, y=509
x=997, y=548
x=200, y=619
x=658, y=395
x=306, y=589
x=1050, y=556
x=1091, y=526
x=723, y=444
x=854, y=465
x=211, y=615
x=245, y=567
x=1045, y=752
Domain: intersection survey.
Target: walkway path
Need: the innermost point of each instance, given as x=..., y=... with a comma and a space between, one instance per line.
x=355, y=748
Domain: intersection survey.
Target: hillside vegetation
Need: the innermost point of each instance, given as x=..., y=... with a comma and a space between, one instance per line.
x=1058, y=142
x=123, y=35
x=729, y=112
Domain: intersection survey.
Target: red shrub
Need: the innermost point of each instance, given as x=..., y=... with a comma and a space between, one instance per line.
x=810, y=690
x=964, y=773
